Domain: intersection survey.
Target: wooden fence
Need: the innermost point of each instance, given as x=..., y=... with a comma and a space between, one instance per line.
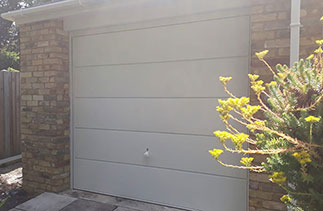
x=9, y=114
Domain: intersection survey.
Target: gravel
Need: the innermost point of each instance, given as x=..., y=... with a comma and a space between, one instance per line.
x=11, y=192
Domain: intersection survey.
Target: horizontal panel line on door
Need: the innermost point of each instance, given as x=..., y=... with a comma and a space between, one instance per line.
x=156, y=167
x=142, y=131
x=160, y=62
x=156, y=26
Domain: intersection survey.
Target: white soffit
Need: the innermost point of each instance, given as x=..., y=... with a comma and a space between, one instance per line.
x=156, y=10
x=123, y=10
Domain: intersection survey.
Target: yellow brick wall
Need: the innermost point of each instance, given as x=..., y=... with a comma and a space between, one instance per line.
x=270, y=20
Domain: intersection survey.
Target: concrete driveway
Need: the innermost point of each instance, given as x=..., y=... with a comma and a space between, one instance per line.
x=80, y=200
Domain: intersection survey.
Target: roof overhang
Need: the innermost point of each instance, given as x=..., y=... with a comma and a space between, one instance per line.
x=64, y=8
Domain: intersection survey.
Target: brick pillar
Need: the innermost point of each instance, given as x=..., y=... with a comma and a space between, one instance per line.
x=270, y=20
x=45, y=112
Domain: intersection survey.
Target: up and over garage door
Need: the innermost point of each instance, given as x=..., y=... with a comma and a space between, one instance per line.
x=156, y=89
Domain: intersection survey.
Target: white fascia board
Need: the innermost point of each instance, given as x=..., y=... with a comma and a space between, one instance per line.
x=63, y=9
x=23, y=15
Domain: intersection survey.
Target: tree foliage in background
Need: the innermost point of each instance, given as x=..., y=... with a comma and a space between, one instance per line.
x=8, y=59
x=9, y=42
x=290, y=132
x=8, y=32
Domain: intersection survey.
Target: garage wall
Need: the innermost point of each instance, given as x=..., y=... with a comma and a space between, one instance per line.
x=44, y=56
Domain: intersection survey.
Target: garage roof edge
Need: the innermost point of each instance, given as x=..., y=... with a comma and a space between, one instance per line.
x=23, y=15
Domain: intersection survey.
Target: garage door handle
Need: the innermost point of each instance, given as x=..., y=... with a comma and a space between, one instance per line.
x=146, y=154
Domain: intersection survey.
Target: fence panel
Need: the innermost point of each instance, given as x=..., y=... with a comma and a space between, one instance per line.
x=9, y=114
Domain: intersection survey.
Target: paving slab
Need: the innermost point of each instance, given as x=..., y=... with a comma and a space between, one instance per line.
x=87, y=205
x=123, y=204
x=91, y=196
x=125, y=209
x=143, y=206
x=46, y=202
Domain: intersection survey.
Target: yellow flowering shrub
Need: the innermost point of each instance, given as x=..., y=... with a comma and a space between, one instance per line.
x=285, y=198
x=312, y=119
x=278, y=177
x=246, y=161
x=262, y=54
x=216, y=153
x=302, y=157
x=290, y=132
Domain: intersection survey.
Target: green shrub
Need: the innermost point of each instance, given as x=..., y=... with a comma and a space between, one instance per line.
x=3, y=202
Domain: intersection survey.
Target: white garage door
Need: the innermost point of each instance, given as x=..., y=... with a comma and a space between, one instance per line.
x=157, y=88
